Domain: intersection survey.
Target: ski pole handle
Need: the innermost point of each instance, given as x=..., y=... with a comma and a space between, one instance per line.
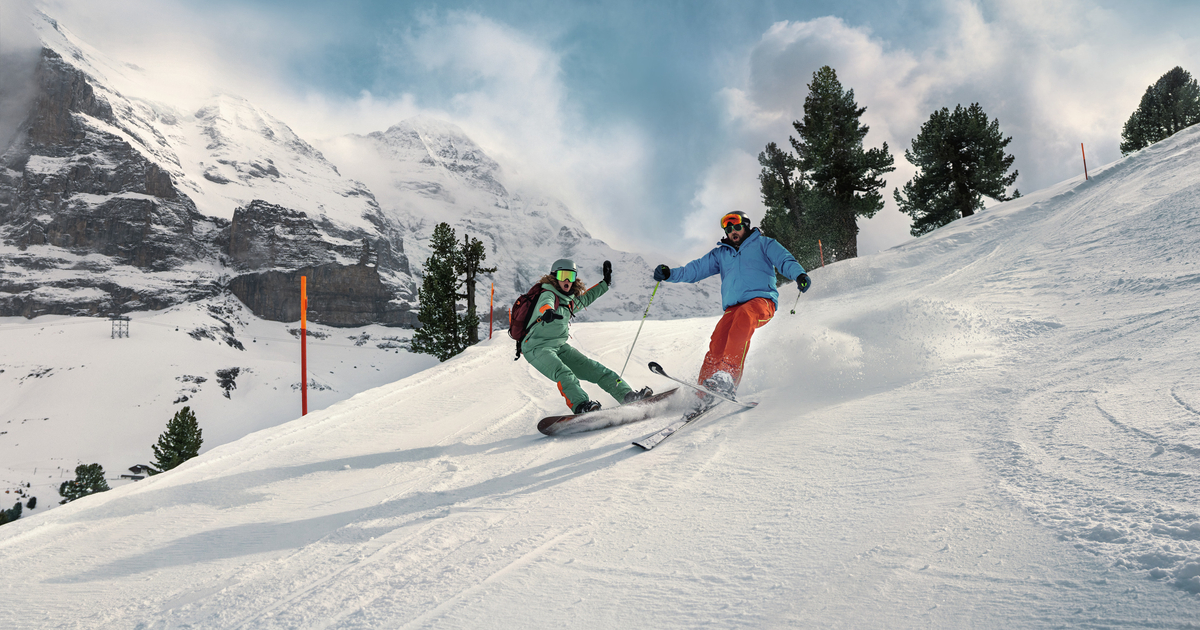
x=639, y=332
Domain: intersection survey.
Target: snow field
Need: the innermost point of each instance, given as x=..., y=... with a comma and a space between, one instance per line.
x=71, y=394
x=993, y=426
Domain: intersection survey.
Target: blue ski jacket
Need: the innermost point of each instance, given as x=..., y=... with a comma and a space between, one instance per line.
x=746, y=272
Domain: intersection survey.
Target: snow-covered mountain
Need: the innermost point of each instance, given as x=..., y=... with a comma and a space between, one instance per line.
x=112, y=201
x=995, y=425
x=424, y=171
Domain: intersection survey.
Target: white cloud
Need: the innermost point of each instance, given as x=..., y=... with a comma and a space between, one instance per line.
x=18, y=60
x=516, y=107
x=15, y=30
x=187, y=53
x=730, y=184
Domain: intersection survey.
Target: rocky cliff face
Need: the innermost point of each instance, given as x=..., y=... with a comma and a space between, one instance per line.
x=76, y=198
x=338, y=295
x=276, y=246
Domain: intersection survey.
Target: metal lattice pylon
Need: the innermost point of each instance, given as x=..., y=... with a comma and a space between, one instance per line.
x=120, y=326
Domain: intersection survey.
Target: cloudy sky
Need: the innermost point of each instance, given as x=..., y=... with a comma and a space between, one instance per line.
x=647, y=117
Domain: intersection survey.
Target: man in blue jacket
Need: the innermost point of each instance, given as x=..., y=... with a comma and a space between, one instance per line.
x=747, y=262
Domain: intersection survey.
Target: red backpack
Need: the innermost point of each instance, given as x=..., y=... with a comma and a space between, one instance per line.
x=519, y=314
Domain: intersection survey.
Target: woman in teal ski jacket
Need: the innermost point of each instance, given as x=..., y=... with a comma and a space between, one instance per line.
x=545, y=346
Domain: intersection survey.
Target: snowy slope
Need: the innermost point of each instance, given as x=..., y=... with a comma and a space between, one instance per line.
x=70, y=393
x=994, y=426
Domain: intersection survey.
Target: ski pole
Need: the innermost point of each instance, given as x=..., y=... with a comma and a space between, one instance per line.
x=639, y=332
x=798, y=294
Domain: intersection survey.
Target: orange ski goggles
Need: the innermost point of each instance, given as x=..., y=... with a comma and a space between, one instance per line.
x=733, y=221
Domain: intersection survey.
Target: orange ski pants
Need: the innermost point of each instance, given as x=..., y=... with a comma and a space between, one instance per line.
x=731, y=339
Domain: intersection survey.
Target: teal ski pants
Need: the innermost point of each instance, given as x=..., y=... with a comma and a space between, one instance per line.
x=566, y=365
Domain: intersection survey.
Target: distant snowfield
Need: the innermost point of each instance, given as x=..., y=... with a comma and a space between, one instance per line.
x=994, y=426
x=70, y=393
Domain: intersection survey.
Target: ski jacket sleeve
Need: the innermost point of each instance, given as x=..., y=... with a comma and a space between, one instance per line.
x=697, y=270
x=782, y=259
x=587, y=298
x=545, y=303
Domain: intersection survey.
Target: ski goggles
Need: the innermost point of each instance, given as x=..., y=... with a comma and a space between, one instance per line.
x=565, y=274
x=732, y=222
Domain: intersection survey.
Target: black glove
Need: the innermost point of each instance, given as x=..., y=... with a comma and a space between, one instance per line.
x=803, y=282
x=549, y=316
x=662, y=272
x=608, y=273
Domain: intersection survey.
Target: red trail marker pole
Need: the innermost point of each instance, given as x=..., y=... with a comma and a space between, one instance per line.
x=303, y=346
x=491, y=309
x=1084, y=154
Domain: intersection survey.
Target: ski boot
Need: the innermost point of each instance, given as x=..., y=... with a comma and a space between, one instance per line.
x=720, y=382
x=586, y=406
x=639, y=394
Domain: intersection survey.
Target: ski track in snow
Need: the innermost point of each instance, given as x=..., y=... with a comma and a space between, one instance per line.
x=993, y=426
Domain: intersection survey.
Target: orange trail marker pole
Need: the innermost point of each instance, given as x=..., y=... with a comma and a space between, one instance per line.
x=821, y=249
x=491, y=309
x=1084, y=153
x=303, y=346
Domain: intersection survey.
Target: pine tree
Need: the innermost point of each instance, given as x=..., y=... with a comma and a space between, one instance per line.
x=443, y=331
x=838, y=170
x=10, y=515
x=782, y=186
x=797, y=216
x=89, y=479
x=960, y=160
x=1167, y=107
x=473, y=255
x=180, y=442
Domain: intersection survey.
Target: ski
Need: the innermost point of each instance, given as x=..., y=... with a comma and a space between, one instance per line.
x=653, y=439
x=657, y=369
x=621, y=414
